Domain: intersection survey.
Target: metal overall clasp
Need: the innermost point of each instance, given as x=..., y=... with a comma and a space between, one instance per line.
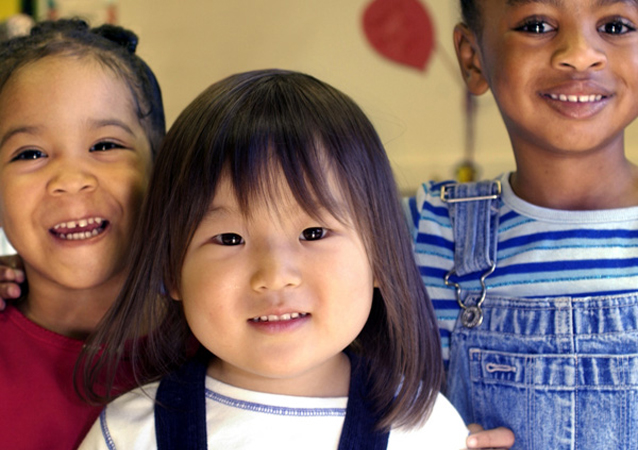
x=472, y=315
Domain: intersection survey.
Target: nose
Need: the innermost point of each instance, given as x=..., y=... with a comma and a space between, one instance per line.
x=579, y=51
x=70, y=177
x=276, y=267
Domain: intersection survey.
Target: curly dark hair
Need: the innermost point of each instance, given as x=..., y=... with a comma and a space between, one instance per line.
x=112, y=46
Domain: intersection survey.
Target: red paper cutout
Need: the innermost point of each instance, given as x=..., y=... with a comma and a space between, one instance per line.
x=400, y=30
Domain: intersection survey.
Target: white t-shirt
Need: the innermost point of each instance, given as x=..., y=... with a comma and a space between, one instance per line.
x=240, y=419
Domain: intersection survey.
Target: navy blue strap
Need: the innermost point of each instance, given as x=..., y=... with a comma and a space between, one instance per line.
x=359, y=425
x=180, y=411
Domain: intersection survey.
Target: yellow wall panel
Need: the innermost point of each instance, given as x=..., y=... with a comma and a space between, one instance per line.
x=9, y=7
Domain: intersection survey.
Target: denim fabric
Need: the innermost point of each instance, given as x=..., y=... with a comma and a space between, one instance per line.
x=475, y=224
x=561, y=373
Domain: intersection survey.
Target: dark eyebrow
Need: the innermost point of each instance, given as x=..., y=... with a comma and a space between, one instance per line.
x=33, y=130
x=101, y=123
x=18, y=130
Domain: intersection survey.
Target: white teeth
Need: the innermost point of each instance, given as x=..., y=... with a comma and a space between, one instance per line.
x=80, y=234
x=282, y=318
x=576, y=98
x=79, y=223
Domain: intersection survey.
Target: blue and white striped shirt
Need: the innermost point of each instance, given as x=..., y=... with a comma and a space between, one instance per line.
x=541, y=252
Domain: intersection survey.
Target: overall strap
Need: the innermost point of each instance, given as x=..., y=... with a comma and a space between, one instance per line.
x=180, y=408
x=359, y=425
x=180, y=411
x=474, y=213
x=473, y=209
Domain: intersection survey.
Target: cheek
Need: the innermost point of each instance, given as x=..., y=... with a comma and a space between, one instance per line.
x=132, y=187
x=209, y=289
x=18, y=202
x=354, y=283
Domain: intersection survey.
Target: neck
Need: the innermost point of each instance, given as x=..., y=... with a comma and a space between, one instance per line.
x=594, y=181
x=331, y=379
x=68, y=311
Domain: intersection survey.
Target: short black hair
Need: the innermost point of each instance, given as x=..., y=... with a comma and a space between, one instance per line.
x=471, y=15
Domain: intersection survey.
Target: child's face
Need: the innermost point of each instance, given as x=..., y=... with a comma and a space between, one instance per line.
x=562, y=72
x=276, y=298
x=74, y=165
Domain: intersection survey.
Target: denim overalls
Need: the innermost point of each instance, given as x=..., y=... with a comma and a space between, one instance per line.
x=562, y=373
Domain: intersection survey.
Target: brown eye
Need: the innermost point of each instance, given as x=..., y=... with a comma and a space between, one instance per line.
x=535, y=26
x=229, y=239
x=27, y=155
x=104, y=146
x=616, y=27
x=313, y=234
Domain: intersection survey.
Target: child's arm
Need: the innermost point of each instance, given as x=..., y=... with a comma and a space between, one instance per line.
x=497, y=438
x=11, y=274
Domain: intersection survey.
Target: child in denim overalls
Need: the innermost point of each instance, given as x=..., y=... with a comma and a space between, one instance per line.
x=535, y=275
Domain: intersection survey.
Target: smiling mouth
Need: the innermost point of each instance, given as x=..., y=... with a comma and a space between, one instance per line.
x=77, y=230
x=281, y=318
x=592, y=98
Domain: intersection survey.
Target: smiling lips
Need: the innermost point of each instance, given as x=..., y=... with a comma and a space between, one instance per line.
x=78, y=230
x=282, y=318
x=577, y=98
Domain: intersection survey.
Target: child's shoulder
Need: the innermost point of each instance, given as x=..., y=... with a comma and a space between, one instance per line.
x=126, y=422
x=443, y=430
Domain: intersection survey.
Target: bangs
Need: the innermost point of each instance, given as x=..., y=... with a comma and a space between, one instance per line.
x=276, y=137
x=274, y=171
x=270, y=132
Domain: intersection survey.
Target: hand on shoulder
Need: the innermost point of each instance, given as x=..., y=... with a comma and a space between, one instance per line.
x=497, y=438
x=11, y=275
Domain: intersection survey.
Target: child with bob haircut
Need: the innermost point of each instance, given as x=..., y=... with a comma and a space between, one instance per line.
x=80, y=117
x=534, y=275
x=273, y=232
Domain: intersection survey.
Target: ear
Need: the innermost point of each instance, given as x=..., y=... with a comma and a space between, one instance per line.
x=173, y=293
x=468, y=55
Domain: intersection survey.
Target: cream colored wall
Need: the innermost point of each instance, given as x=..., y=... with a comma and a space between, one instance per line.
x=192, y=43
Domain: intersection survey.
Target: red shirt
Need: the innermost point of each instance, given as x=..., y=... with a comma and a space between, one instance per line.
x=39, y=408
